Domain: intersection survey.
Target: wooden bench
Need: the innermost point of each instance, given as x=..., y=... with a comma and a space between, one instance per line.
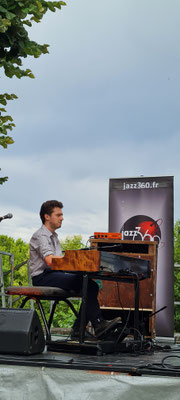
x=39, y=293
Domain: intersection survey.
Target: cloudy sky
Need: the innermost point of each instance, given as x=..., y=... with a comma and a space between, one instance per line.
x=104, y=104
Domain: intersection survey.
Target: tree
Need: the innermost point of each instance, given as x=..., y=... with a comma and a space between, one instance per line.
x=177, y=242
x=72, y=243
x=177, y=275
x=15, y=17
x=63, y=316
x=20, y=250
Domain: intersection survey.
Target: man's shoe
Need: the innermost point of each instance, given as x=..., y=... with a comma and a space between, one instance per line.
x=75, y=335
x=103, y=326
x=75, y=332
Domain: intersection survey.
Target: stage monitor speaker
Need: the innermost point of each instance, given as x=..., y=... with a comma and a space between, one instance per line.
x=20, y=332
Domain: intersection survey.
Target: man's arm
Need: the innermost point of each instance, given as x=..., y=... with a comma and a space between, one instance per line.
x=48, y=259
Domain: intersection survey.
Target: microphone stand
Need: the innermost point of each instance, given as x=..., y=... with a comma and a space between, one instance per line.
x=142, y=324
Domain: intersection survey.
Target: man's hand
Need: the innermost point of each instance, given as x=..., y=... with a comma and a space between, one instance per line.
x=48, y=259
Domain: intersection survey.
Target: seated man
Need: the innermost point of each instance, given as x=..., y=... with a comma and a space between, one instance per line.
x=43, y=245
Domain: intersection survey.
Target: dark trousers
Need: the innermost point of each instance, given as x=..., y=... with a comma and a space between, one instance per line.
x=70, y=281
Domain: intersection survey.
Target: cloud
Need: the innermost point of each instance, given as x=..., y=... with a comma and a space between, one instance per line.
x=104, y=104
x=25, y=222
x=80, y=179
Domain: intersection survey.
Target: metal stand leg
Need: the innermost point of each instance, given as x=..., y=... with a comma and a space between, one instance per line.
x=136, y=309
x=83, y=308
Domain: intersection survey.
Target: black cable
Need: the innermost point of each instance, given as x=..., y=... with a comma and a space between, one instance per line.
x=119, y=298
x=84, y=364
x=125, y=326
x=171, y=366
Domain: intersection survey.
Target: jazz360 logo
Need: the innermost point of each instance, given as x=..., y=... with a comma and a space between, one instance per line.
x=141, y=227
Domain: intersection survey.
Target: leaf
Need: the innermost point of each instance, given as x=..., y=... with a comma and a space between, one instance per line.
x=8, y=96
x=3, y=101
x=4, y=179
x=2, y=9
x=14, y=96
x=35, y=19
x=31, y=76
x=6, y=118
x=27, y=22
x=9, y=140
x=10, y=15
x=40, y=8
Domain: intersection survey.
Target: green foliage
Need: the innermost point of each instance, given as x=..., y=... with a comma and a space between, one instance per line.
x=6, y=124
x=21, y=253
x=72, y=243
x=15, y=16
x=2, y=180
x=177, y=275
x=63, y=316
x=177, y=242
x=15, y=44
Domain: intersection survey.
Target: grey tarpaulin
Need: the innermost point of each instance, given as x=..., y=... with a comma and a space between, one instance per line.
x=27, y=383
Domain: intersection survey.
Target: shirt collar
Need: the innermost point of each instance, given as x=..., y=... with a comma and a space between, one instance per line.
x=47, y=232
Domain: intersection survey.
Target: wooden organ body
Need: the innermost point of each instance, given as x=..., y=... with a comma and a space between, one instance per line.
x=115, y=297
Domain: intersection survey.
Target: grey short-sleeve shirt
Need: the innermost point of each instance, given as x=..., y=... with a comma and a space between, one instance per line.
x=42, y=244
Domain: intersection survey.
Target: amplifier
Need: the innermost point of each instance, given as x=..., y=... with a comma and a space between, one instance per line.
x=107, y=235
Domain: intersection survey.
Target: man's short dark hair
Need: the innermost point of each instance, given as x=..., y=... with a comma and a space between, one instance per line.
x=48, y=207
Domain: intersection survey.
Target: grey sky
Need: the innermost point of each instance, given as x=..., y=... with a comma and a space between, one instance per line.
x=104, y=104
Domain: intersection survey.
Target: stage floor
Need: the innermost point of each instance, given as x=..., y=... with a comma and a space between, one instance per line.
x=142, y=374
x=149, y=357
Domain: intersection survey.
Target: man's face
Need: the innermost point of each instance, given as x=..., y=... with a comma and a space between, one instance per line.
x=54, y=221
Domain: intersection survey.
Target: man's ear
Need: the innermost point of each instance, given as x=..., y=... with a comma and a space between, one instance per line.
x=46, y=216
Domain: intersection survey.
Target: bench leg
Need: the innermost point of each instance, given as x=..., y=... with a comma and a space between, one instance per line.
x=48, y=334
x=54, y=308
x=52, y=314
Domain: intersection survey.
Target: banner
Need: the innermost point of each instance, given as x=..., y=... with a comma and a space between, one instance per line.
x=142, y=209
